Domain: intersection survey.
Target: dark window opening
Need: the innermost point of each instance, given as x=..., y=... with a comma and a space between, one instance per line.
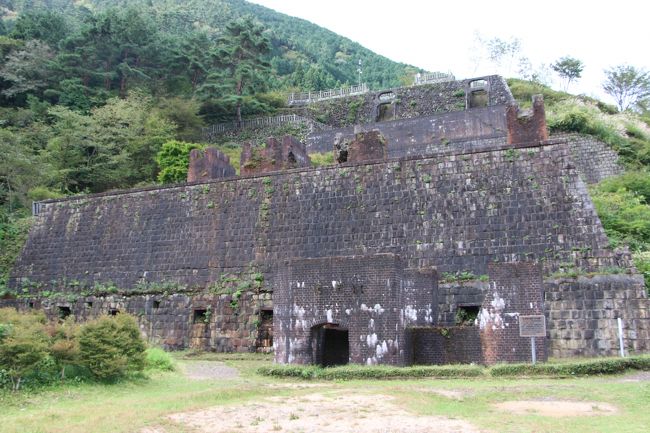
x=31, y=305
x=385, y=112
x=265, y=330
x=64, y=312
x=478, y=99
x=201, y=316
x=156, y=304
x=113, y=312
x=466, y=315
x=89, y=304
x=291, y=158
x=332, y=345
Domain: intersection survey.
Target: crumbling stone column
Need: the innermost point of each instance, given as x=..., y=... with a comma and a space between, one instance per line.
x=365, y=146
x=209, y=164
x=527, y=127
x=276, y=155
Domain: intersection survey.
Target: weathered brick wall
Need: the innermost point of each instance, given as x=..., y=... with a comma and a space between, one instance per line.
x=582, y=315
x=230, y=325
x=594, y=159
x=371, y=297
x=457, y=212
x=516, y=289
x=446, y=345
x=406, y=102
x=433, y=134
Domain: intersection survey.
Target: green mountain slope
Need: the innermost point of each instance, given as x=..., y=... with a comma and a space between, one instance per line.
x=303, y=55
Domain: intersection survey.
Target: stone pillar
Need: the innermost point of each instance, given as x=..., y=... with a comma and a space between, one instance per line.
x=527, y=127
x=209, y=164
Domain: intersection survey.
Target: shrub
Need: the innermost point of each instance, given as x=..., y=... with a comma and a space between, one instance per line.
x=23, y=344
x=637, y=182
x=568, y=369
x=158, y=359
x=322, y=159
x=624, y=217
x=111, y=347
x=352, y=372
x=173, y=160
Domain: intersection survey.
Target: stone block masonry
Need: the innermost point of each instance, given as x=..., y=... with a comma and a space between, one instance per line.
x=209, y=164
x=281, y=154
x=370, y=300
x=456, y=212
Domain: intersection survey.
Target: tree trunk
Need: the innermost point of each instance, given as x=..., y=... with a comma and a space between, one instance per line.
x=240, y=86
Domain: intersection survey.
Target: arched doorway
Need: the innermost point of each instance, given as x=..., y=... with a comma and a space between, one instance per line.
x=330, y=345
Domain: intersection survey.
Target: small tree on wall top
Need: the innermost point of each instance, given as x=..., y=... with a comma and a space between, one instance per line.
x=569, y=69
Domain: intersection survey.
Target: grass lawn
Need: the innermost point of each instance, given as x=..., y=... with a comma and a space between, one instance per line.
x=131, y=406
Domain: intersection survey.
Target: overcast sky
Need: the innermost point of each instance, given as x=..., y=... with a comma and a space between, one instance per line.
x=440, y=35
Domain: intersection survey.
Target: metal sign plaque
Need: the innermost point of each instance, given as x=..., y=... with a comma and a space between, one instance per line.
x=532, y=326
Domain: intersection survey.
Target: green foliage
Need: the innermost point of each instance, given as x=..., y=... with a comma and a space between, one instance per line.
x=355, y=372
x=173, y=160
x=360, y=372
x=642, y=263
x=569, y=68
x=637, y=182
x=628, y=85
x=624, y=215
x=111, y=347
x=571, y=369
x=158, y=359
x=460, y=276
x=13, y=234
x=23, y=344
x=322, y=159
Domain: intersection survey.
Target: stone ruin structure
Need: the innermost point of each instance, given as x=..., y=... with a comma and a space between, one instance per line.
x=452, y=215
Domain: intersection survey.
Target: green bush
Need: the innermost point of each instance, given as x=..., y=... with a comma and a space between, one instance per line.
x=637, y=182
x=624, y=216
x=23, y=344
x=111, y=347
x=352, y=372
x=158, y=359
x=568, y=369
x=173, y=160
x=322, y=159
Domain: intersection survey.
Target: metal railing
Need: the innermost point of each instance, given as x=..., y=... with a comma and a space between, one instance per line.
x=433, y=77
x=209, y=132
x=304, y=98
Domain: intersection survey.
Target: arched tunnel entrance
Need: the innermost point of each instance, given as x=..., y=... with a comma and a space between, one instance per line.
x=330, y=345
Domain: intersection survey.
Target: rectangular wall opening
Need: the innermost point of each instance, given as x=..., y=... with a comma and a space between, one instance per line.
x=200, y=316
x=113, y=312
x=466, y=315
x=265, y=331
x=64, y=312
x=156, y=304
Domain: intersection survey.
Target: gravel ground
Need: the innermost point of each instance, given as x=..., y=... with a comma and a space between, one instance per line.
x=209, y=370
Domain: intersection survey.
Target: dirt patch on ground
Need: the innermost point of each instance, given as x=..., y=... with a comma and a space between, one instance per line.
x=206, y=370
x=557, y=408
x=642, y=376
x=330, y=413
x=454, y=394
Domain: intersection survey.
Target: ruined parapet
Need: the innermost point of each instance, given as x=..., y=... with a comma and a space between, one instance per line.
x=527, y=127
x=209, y=164
x=516, y=290
x=276, y=155
x=365, y=146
